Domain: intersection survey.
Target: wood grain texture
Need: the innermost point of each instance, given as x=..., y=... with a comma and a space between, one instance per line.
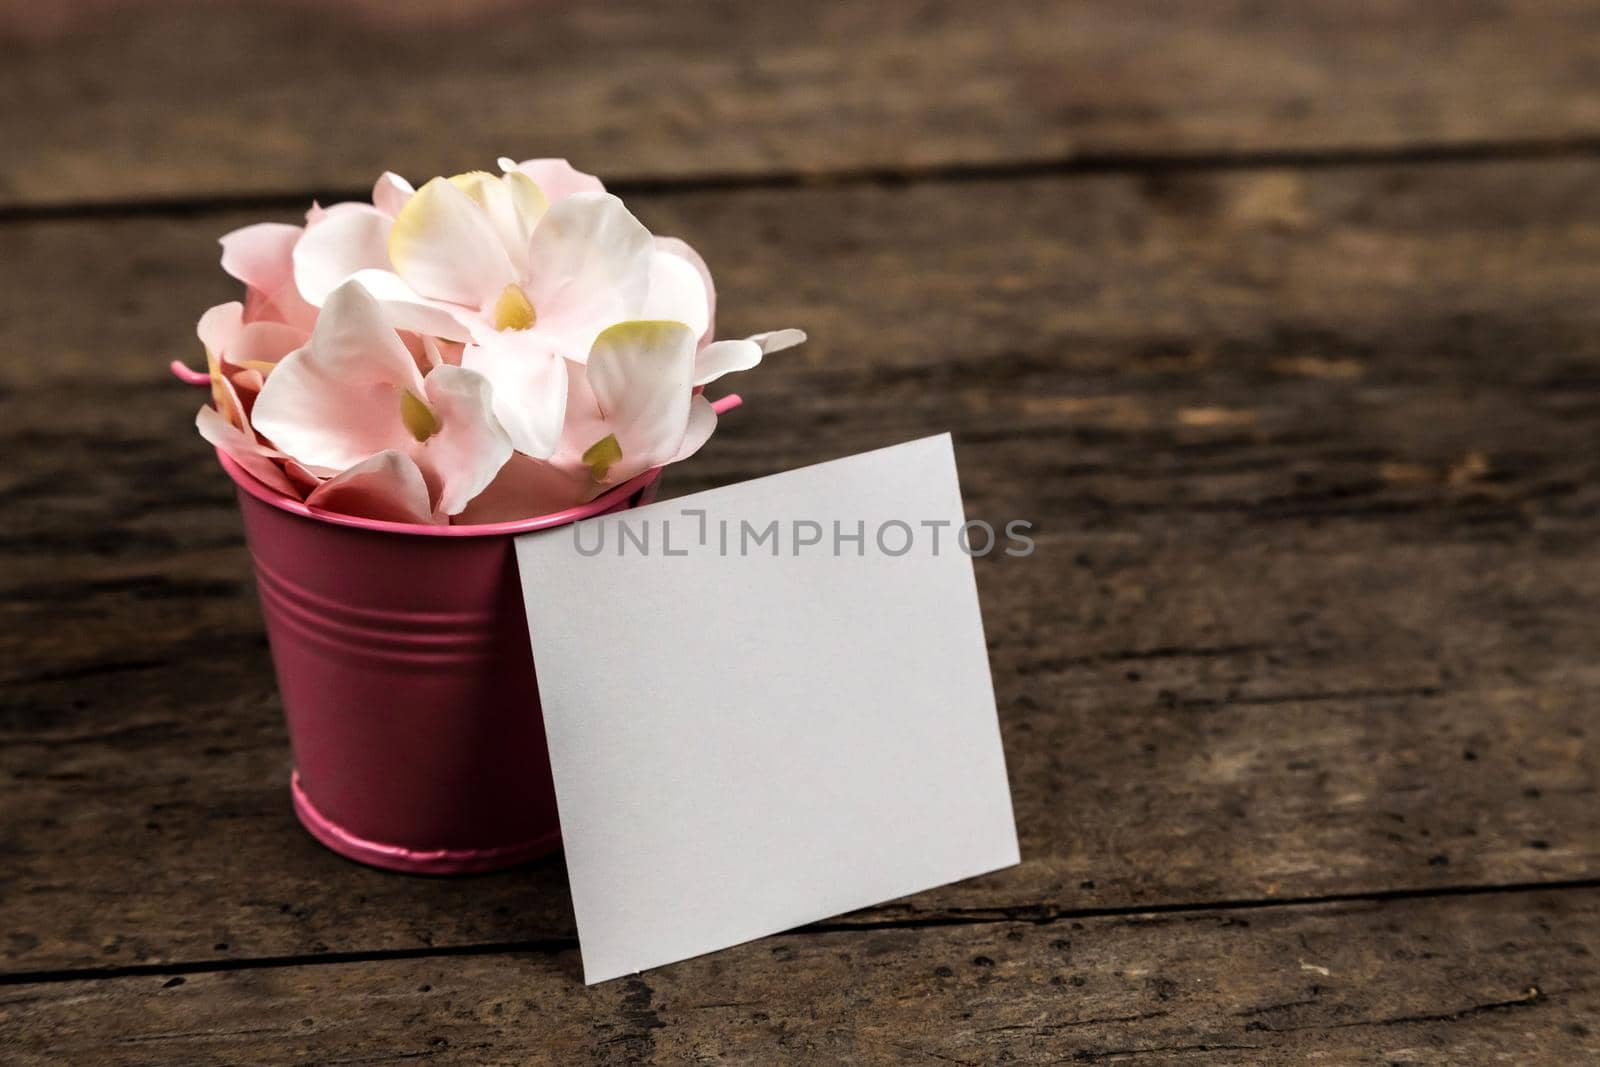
x=101, y=99
x=1311, y=456
x=1502, y=978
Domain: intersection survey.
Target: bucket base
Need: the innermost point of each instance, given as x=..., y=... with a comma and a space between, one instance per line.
x=410, y=860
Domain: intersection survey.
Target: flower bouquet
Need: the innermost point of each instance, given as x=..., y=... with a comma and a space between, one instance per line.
x=406, y=386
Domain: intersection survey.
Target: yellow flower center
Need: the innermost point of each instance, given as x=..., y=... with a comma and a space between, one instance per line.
x=514, y=311
x=419, y=421
x=601, y=455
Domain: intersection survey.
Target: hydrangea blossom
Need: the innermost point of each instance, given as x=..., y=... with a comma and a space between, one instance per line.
x=482, y=348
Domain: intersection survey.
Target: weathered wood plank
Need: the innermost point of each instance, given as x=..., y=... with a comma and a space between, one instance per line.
x=1503, y=978
x=1311, y=456
x=106, y=102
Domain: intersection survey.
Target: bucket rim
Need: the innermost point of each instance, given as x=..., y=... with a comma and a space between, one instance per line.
x=248, y=483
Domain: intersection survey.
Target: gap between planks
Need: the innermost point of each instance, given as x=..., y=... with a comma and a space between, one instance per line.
x=964, y=917
x=1490, y=151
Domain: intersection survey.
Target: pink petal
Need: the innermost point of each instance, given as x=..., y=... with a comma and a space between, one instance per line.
x=346, y=238
x=386, y=486
x=285, y=306
x=219, y=326
x=424, y=350
x=470, y=446
x=304, y=479
x=556, y=178
x=530, y=388
x=336, y=401
x=246, y=385
x=261, y=256
x=242, y=449
x=526, y=488
x=264, y=342
x=431, y=355
x=390, y=193
x=217, y=329
x=229, y=404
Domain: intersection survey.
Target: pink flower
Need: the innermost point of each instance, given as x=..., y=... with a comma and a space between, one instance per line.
x=526, y=280
x=671, y=288
x=345, y=237
x=630, y=407
x=238, y=356
x=487, y=347
x=354, y=401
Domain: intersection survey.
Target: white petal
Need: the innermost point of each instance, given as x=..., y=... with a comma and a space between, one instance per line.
x=590, y=267
x=514, y=206
x=725, y=357
x=531, y=204
x=386, y=486
x=702, y=421
x=682, y=249
x=347, y=238
x=530, y=389
x=408, y=310
x=446, y=248
x=242, y=450
x=390, y=193
x=337, y=401
x=677, y=293
x=470, y=447
x=640, y=375
x=777, y=340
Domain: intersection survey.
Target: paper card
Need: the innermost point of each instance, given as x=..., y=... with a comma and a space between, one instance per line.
x=758, y=720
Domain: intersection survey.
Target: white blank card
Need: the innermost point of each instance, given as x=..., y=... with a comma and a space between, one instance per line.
x=759, y=719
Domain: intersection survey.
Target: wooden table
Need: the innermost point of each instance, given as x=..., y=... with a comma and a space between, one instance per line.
x=1282, y=322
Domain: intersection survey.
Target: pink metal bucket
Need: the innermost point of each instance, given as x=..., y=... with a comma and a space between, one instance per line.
x=403, y=660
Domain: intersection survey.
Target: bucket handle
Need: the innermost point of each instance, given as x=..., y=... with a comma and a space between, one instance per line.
x=182, y=372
